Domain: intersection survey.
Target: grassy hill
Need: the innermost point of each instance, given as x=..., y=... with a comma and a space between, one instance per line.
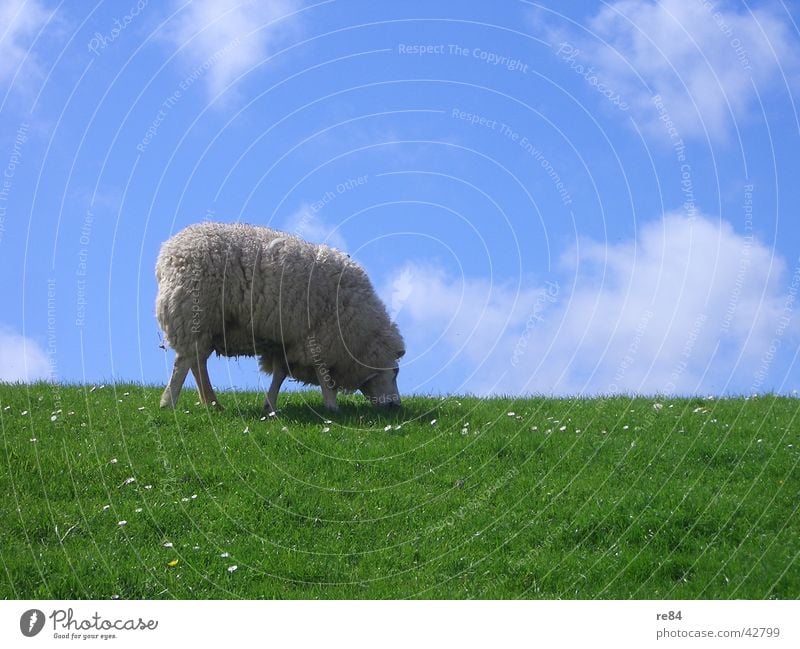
x=105, y=495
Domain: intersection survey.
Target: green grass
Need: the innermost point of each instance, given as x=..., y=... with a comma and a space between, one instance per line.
x=604, y=498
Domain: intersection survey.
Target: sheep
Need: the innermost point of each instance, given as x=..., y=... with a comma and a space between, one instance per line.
x=308, y=311
x=275, y=363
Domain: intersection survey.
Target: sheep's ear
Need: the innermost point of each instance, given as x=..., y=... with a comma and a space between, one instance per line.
x=401, y=353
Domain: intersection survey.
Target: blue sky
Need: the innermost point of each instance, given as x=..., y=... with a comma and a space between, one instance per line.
x=557, y=198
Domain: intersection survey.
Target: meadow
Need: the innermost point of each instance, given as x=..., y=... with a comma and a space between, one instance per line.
x=107, y=496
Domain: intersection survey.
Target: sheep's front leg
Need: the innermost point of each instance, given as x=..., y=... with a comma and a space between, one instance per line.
x=179, y=371
x=271, y=402
x=328, y=389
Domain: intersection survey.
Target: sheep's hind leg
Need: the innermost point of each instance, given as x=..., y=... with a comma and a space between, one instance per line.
x=204, y=387
x=271, y=402
x=179, y=371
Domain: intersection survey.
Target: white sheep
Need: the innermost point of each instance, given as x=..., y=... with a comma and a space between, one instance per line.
x=308, y=311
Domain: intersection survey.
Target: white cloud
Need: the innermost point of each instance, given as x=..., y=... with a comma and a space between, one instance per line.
x=230, y=36
x=21, y=359
x=702, y=57
x=401, y=287
x=307, y=223
x=690, y=306
x=20, y=21
x=469, y=314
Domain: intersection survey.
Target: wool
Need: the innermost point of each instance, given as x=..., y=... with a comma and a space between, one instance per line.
x=306, y=310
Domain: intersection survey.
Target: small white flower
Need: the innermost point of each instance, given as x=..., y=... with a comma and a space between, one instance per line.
x=184, y=500
x=194, y=496
x=168, y=544
x=511, y=414
x=326, y=429
x=138, y=510
x=122, y=523
x=140, y=408
x=433, y=422
x=34, y=440
x=129, y=481
x=148, y=486
x=225, y=555
x=386, y=428
x=625, y=427
x=327, y=421
x=534, y=428
x=105, y=507
x=464, y=431
x=53, y=417
x=126, y=394
x=284, y=429
x=658, y=406
x=246, y=429
x=233, y=568
x=113, y=460
x=563, y=428
x=24, y=412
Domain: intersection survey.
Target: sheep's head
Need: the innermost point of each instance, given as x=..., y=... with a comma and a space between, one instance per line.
x=381, y=387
